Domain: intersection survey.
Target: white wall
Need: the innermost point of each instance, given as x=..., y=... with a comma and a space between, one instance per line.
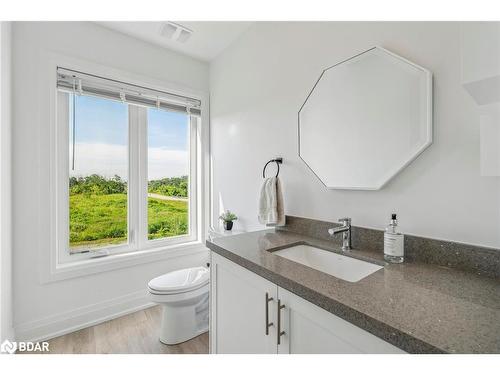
x=43, y=309
x=480, y=50
x=480, y=45
x=6, y=330
x=258, y=85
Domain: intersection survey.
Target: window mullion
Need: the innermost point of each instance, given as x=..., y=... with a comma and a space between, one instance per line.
x=133, y=182
x=142, y=182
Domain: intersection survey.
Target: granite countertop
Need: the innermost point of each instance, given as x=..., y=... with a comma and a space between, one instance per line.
x=418, y=307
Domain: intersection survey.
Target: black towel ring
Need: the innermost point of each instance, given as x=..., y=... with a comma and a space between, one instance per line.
x=278, y=161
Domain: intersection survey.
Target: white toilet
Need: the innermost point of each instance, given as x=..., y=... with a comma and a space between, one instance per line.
x=184, y=297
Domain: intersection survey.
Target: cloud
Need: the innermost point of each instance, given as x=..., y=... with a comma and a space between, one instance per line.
x=167, y=163
x=109, y=159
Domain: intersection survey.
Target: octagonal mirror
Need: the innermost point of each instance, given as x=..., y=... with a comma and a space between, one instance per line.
x=366, y=119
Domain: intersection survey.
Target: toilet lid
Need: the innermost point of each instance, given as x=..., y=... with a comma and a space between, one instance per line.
x=180, y=281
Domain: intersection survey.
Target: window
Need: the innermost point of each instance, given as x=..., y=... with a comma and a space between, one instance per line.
x=98, y=173
x=168, y=174
x=128, y=180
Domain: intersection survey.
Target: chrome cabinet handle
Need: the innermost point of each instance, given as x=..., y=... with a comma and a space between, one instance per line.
x=280, y=332
x=268, y=299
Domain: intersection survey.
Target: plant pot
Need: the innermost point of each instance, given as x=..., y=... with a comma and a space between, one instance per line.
x=228, y=225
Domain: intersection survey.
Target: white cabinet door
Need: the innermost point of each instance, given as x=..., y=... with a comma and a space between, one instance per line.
x=310, y=329
x=238, y=309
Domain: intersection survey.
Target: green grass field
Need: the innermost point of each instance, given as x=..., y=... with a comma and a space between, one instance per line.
x=98, y=220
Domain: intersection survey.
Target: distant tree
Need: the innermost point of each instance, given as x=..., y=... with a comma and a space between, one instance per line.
x=170, y=186
x=96, y=184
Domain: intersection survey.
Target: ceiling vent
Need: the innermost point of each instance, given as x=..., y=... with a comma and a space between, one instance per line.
x=174, y=31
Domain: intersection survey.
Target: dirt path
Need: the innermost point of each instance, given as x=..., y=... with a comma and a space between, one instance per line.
x=166, y=198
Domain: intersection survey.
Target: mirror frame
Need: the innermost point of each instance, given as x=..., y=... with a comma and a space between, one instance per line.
x=428, y=119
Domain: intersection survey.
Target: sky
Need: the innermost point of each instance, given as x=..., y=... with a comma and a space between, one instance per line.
x=102, y=140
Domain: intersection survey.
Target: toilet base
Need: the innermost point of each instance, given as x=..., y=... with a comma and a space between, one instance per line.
x=181, y=342
x=182, y=322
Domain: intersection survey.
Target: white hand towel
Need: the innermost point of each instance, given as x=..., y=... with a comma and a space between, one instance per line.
x=271, y=210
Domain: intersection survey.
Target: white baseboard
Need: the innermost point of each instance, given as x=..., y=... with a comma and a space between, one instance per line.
x=8, y=335
x=74, y=320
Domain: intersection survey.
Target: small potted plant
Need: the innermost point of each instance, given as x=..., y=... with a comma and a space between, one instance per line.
x=227, y=218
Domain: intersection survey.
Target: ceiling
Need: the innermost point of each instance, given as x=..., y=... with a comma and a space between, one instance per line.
x=208, y=39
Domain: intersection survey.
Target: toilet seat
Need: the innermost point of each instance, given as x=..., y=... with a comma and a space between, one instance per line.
x=180, y=281
x=178, y=298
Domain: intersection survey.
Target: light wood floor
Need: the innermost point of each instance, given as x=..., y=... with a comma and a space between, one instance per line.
x=136, y=333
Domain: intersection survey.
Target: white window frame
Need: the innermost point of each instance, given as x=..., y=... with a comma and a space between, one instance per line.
x=54, y=266
x=137, y=187
x=143, y=242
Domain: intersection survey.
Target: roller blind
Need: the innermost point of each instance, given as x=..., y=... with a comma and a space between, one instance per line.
x=87, y=84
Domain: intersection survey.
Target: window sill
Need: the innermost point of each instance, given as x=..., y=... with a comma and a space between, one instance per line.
x=112, y=262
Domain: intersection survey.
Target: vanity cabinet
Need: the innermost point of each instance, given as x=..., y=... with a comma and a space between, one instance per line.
x=311, y=330
x=244, y=319
x=238, y=310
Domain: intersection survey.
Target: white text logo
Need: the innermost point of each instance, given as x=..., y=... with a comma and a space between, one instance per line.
x=23, y=346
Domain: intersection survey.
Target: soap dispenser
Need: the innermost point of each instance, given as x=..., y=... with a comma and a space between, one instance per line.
x=393, y=242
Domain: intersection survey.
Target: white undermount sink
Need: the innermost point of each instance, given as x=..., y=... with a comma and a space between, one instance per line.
x=340, y=266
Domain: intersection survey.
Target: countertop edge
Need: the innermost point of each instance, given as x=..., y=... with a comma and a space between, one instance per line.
x=392, y=335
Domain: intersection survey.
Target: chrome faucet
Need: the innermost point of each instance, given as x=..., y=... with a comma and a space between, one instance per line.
x=345, y=229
